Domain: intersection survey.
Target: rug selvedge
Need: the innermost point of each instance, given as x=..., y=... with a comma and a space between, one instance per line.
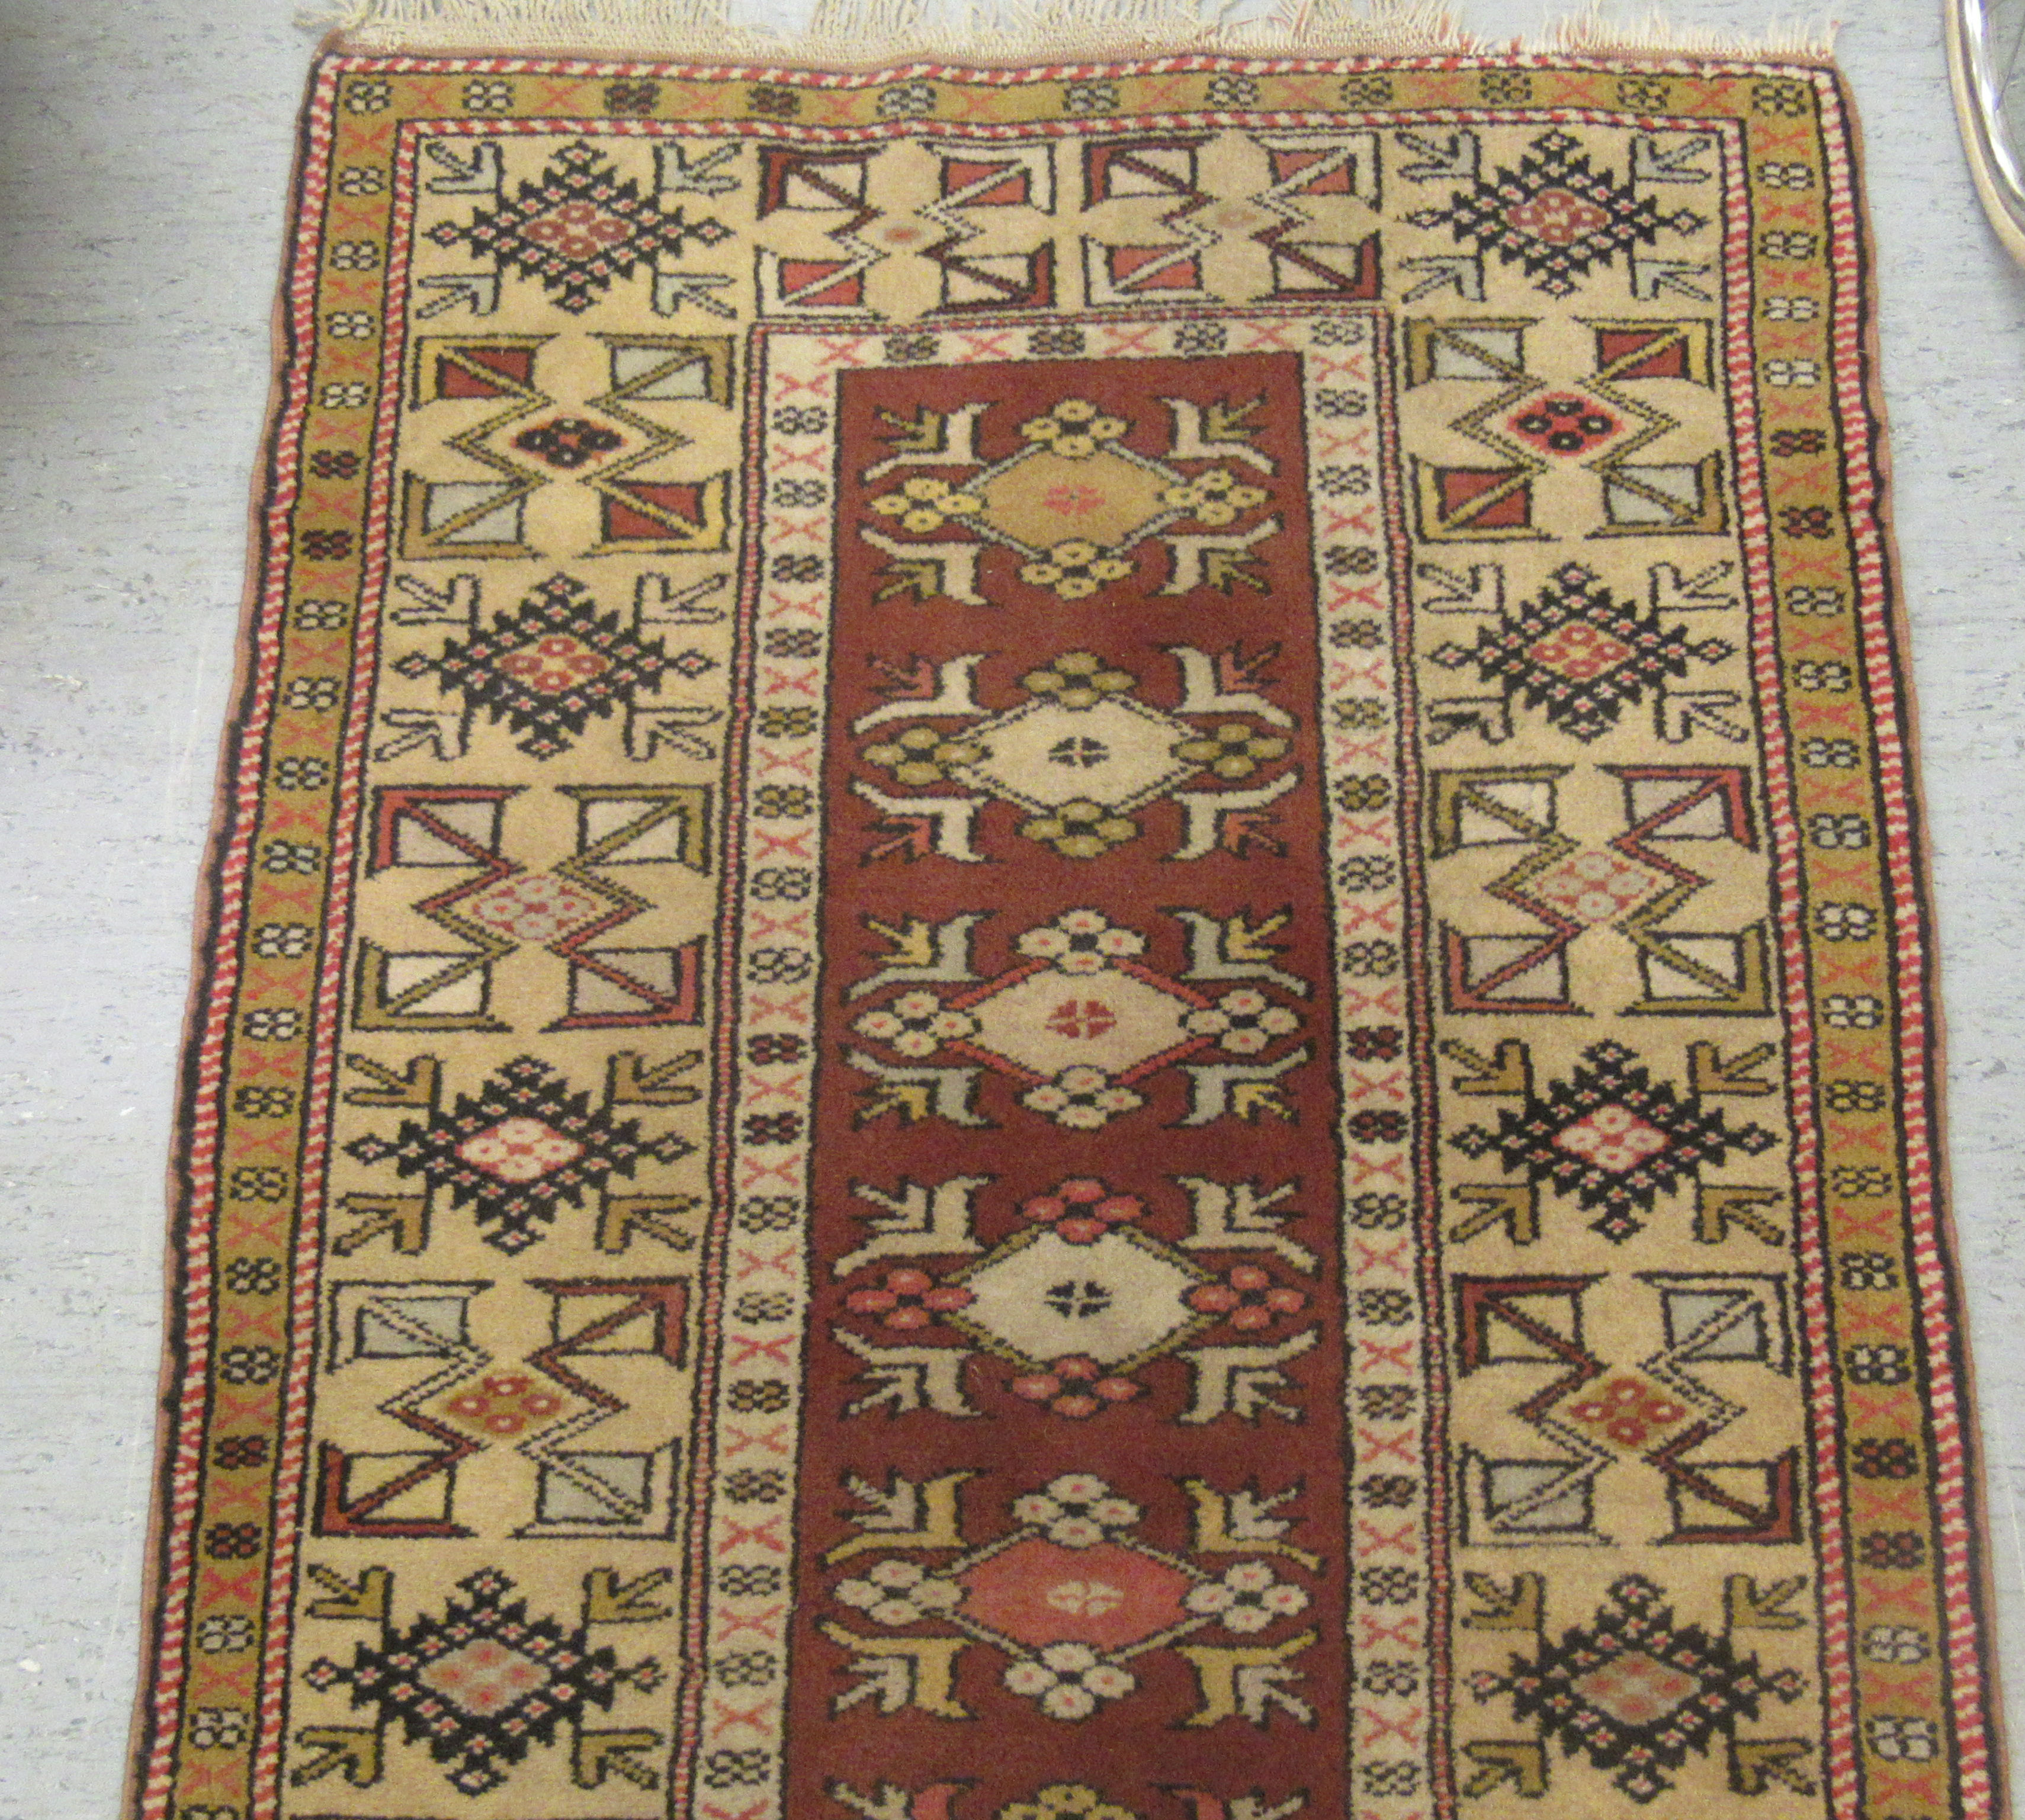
x=834, y=654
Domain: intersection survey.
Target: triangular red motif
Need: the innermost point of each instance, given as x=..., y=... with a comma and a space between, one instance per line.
x=454, y=378
x=680, y=500
x=1286, y=164
x=796, y=274
x=1009, y=193
x=1179, y=275
x=1668, y=360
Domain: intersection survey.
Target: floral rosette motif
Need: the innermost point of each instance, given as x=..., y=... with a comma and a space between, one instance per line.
x=1072, y=1598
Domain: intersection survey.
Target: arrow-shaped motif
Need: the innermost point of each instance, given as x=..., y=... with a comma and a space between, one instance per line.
x=1522, y=1763
x=904, y=1514
x=1755, y=1764
x=402, y=1219
x=898, y=1672
x=1248, y=1683
x=599, y=1754
x=355, y=1749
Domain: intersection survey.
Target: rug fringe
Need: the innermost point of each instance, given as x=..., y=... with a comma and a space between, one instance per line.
x=1656, y=35
x=860, y=32
x=869, y=32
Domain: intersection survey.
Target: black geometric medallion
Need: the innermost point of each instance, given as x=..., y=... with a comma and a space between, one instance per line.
x=1633, y=1692
x=484, y=1682
x=547, y=668
x=577, y=229
x=1579, y=655
x=1613, y=1138
x=568, y=442
x=516, y=1149
x=1555, y=215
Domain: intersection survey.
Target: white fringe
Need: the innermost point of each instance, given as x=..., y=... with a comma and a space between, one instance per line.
x=863, y=33
x=1655, y=36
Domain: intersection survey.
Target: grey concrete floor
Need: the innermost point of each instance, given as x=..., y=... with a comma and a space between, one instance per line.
x=144, y=152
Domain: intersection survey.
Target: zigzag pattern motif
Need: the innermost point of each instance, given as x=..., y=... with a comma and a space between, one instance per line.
x=1648, y=350
x=1158, y=167
x=791, y=178
x=1597, y=1415
x=677, y=1003
x=1487, y=990
x=662, y=1302
x=1728, y=1320
x=499, y=367
x=1491, y=1310
x=670, y=515
x=1686, y=973
x=1025, y=279
x=1318, y=165
x=1744, y=989
x=638, y=514
x=381, y=998
x=631, y=995
x=338, y=1514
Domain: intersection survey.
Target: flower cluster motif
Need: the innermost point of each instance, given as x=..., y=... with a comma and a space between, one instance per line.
x=1082, y=1210
x=1066, y=1801
x=1075, y=569
x=1248, y=1298
x=1083, y=1098
x=909, y=1299
x=1247, y=1599
x=1074, y=1386
x=1245, y=1022
x=1080, y=943
x=1234, y=750
x=1077, y=679
x=1081, y=829
x=1214, y=498
x=921, y=755
x=1076, y=1510
x=1068, y=1679
x=924, y=503
x=916, y=1024
x=1074, y=429
x=900, y=1592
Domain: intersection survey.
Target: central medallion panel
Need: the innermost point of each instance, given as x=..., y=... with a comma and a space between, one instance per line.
x=1073, y=757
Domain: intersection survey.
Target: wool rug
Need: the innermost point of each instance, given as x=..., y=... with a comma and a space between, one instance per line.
x=1067, y=963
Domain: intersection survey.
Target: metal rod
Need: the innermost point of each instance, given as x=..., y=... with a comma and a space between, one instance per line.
x=2010, y=61
x=1979, y=91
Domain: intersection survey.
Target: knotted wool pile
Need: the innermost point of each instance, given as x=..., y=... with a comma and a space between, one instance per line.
x=1066, y=963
